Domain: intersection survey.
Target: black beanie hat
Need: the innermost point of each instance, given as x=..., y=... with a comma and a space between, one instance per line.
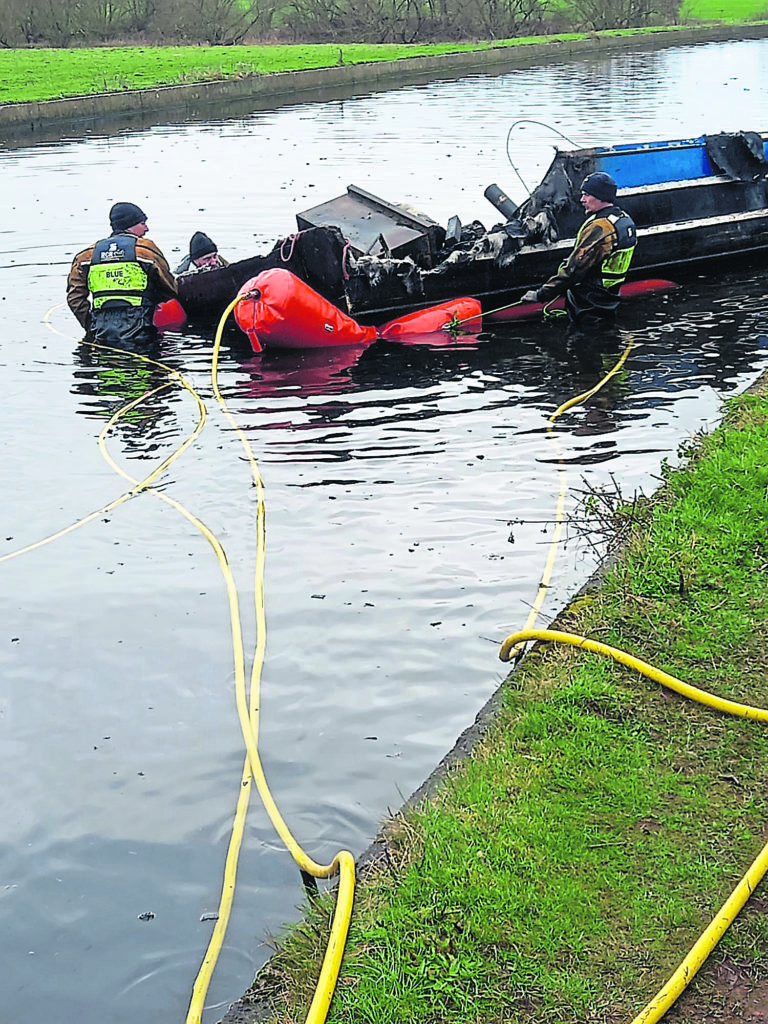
x=601, y=186
x=125, y=215
x=201, y=245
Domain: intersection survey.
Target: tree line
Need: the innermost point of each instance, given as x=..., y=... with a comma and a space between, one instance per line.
x=220, y=22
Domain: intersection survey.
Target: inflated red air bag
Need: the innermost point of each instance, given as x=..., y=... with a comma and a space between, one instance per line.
x=278, y=310
x=468, y=312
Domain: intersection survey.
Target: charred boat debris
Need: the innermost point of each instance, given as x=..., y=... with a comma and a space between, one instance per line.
x=692, y=200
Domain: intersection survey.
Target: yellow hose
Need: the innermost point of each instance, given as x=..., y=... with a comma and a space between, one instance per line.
x=230, y=872
x=709, y=938
x=343, y=863
x=729, y=707
x=592, y=391
x=562, y=472
x=139, y=485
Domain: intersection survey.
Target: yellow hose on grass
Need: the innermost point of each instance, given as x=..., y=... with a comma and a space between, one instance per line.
x=682, y=977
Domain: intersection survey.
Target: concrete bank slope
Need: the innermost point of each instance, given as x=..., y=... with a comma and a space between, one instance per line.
x=287, y=86
x=253, y=1007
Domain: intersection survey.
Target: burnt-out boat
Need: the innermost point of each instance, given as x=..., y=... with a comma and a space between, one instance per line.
x=693, y=200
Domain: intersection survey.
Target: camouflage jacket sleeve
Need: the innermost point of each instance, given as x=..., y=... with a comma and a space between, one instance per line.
x=596, y=240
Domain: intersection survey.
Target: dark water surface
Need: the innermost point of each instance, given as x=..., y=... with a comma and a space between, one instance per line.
x=392, y=478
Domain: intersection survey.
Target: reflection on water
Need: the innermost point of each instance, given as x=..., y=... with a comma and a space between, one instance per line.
x=284, y=373
x=109, y=380
x=392, y=474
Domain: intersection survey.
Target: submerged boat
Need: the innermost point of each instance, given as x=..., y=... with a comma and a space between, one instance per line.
x=693, y=200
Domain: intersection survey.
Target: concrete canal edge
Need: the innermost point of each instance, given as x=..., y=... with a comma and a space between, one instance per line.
x=250, y=1009
x=287, y=86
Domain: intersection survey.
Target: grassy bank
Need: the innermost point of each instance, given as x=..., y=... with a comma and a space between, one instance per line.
x=724, y=10
x=565, y=868
x=34, y=75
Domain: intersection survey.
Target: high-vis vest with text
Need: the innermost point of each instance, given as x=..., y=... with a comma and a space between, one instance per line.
x=614, y=267
x=116, y=275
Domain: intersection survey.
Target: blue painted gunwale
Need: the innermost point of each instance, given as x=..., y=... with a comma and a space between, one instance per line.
x=652, y=163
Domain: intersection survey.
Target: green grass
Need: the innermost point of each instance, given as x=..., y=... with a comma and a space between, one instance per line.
x=724, y=10
x=565, y=869
x=50, y=74
x=33, y=75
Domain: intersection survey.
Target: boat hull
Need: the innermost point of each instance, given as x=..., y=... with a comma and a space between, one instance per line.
x=693, y=201
x=316, y=256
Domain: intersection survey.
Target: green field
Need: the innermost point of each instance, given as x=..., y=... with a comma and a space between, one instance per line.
x=725, y=10
x=45, y=74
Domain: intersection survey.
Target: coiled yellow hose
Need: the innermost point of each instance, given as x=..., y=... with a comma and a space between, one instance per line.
x=709, y=938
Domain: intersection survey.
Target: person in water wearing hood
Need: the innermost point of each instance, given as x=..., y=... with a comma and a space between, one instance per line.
x=591, y=276
x=115, y=284
x=203, y=255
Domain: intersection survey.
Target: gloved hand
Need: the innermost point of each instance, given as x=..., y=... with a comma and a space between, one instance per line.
x=530, y=296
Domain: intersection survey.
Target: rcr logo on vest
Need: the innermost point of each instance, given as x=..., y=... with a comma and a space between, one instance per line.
x=112, y=253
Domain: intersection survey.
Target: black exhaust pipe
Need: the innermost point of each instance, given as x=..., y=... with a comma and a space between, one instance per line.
x=501, y=201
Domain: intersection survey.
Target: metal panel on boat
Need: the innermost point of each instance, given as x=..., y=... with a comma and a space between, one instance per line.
x=375, y=227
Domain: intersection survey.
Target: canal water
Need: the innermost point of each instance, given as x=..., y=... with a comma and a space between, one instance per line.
x=410, y=492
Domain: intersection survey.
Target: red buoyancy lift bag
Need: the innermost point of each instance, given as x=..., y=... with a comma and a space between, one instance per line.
x=278, y=310
x=465, y=312
x=532, y=310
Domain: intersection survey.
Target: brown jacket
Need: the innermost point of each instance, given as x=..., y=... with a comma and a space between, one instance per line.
x=162, y=283
x=597, y=238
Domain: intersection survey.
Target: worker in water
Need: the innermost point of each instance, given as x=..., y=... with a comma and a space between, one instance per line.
x=115, y=284
x=203, y=255
x=591, y=276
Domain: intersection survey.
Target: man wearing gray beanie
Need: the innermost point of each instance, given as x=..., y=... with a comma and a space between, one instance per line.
x=591, y=276
x=115, y=284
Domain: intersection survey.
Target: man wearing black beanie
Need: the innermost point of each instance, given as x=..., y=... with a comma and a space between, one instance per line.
x=203, y=255
x=115, y=284
x=592, y=274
